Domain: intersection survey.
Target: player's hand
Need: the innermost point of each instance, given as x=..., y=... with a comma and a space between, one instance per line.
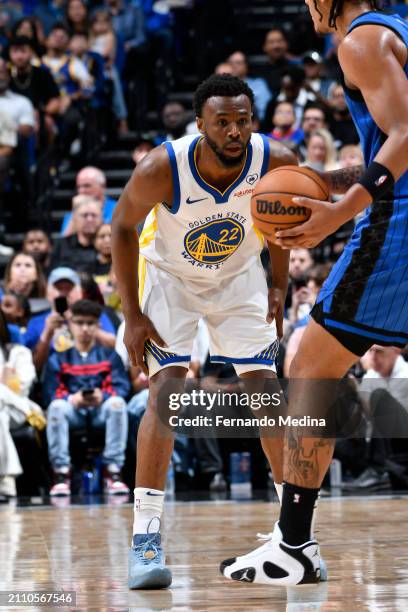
x=276, y=306
x=325, y=219
x=137, y=331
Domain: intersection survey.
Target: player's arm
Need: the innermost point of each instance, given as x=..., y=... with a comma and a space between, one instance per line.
x=149, y=184
x=279, y=258
x=372, y=59
x=340, y=181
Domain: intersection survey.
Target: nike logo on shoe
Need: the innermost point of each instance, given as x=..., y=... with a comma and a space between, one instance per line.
x=190, y=201
x=155, y=494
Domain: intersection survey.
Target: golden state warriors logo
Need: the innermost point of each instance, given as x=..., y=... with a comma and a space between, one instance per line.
x=214, y=242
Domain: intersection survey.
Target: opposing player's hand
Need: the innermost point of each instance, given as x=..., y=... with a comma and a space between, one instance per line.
x=137, y=331
x=325, y=219
x=276, y=306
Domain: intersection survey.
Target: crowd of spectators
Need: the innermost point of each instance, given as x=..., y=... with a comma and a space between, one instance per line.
x=63, y=365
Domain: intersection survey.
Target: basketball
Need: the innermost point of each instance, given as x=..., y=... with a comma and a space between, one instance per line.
x=272, y=208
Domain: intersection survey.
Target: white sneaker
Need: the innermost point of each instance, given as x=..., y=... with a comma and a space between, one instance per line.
x=8, y=486
x=276, y=563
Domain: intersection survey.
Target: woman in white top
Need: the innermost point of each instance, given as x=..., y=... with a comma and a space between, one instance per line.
x=17, y=374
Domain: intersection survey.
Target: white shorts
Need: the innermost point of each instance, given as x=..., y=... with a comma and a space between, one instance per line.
x=234, y=311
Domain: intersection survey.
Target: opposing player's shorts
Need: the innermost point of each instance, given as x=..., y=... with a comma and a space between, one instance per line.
x=234, y=311
x=364, y=301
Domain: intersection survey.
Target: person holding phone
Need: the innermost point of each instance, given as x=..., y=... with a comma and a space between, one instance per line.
x=44, y=331
x=86, y=384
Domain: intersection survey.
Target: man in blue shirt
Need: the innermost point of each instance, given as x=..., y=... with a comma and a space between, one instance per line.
x=91, y=181
x=239, y=65
x=46, y=328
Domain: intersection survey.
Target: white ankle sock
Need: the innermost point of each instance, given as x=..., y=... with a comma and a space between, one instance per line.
x=279, y=491
x=148, y=506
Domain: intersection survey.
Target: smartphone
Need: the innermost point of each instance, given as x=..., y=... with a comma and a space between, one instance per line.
x=298, y=283
x=88, y=392
x=61, y=304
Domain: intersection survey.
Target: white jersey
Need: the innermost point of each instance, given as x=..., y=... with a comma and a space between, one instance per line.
x=207, y=235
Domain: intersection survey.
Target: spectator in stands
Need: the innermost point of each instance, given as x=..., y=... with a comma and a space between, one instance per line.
x=45, y=330
x=76, y=16
x=303, y=301
x=314, y=118
x=28, y=28
x=77, y=250
x=38, y=244
x=129, y=25
x=91, y=291
x=293, y=90
x=73, y=80
x=314, y=68
x=300, y=261
x=175, y=120
x=102, y=267
x=321, y=153
x=35, y=83
x=276, y=50
x=384, y=391
x=17, y=374
x=8, y=143
x=223, y=68
x=341, y=124
x=23, y=274
x=239, y=64
x=19, y=108
x=91, y=181
x=94, y=63
x=128, y=22
x=102, y=243
x=103, y=41
x=11, y=12
x=86, y=384
x=284, y=124
x=351, y=155
x=50, y=12
x=16, y=310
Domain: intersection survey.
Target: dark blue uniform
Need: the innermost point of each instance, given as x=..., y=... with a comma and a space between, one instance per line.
x=365, y=299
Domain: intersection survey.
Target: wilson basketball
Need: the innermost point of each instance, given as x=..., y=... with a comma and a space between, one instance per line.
x=272, y=208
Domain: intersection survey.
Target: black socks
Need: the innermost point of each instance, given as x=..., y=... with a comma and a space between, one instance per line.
x=296, y=513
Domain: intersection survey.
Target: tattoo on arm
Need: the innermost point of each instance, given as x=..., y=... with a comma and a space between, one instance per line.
x=341, y=180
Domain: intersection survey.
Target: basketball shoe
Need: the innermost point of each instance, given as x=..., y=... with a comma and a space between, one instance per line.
x=276, y=563
x=147, y=568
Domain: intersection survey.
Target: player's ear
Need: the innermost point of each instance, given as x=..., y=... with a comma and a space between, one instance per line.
x=200, y=124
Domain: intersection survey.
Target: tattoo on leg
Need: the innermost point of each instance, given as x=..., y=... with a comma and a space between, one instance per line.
x=306, y=459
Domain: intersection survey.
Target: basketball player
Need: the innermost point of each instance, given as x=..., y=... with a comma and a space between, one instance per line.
x=199, y=258
x=364, y=300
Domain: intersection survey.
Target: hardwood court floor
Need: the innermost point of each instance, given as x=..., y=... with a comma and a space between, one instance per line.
x=84, y=548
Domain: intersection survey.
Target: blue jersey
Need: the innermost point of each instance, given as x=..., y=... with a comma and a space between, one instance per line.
x=367, y=290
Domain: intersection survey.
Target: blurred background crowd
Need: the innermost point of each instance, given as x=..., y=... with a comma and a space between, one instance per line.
x=86, y=90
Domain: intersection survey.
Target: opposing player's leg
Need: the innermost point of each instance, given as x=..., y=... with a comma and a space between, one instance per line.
x=291, y=555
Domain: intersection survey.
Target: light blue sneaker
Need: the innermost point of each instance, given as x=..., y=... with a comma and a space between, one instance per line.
x=147, y=563
x=324, y=576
